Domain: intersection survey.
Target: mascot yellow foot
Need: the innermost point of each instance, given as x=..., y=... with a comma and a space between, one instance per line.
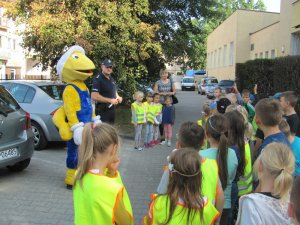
x=69, y=180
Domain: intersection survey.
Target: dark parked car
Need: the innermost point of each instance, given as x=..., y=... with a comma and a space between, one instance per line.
x=41, y=99
x=227, y=86
x=16, y=137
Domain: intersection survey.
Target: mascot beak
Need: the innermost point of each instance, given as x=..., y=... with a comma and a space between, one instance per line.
x=77, y=67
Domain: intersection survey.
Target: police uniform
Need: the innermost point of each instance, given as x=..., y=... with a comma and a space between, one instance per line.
x=107, y=88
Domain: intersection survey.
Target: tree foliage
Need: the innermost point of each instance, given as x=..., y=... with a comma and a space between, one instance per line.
x=104, y=29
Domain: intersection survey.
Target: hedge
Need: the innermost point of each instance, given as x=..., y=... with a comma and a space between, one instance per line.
x=270, y=75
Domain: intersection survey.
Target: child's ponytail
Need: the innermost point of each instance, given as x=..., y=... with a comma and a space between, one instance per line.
x=95, y=140
x=216, y=128
x=85, y=154
x=278, y=161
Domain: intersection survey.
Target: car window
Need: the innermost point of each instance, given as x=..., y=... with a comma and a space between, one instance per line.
x=54, y=91
x=188, y=80
x=19, y=91
x=29, y=95
x=226, y=82
x=6, y=85
x=7, y=102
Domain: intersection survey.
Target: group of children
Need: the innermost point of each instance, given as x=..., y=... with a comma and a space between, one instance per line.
x=208, y=178
x=151, y=114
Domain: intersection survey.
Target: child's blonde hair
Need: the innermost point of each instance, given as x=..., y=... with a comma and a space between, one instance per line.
x=248, y=126
x=278, y=161
x=137, y=94
x=206, y=109
x=95, y=140
x=284, y=127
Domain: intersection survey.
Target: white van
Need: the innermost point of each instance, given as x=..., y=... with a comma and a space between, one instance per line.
x=188, y=83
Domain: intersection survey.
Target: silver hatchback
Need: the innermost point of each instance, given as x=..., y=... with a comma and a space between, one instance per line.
x=16, y=137
x=41, y=99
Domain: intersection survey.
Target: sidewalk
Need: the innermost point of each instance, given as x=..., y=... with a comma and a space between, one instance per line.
x=141, y=173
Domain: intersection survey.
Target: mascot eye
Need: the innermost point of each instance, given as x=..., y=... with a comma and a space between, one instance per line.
x=75, y=56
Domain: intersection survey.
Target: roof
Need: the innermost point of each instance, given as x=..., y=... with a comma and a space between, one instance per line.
x=264, y=28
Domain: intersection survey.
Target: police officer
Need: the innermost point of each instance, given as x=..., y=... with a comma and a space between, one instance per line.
x=104, y=93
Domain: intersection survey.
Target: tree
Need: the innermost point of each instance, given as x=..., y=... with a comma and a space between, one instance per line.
x=104, y=29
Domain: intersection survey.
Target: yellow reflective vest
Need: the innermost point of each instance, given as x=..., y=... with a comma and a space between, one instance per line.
x=140, y=114
x=160, y=208
x=245, y=181
x=210, y=178
x=150, y=112
x=95, y=201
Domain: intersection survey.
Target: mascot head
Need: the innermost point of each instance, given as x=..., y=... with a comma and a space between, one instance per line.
x=74, y=65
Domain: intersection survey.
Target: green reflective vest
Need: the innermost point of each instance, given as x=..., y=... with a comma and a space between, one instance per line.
x=94, y=202
x=160, y=209
x=139, y=113
x=245, y=181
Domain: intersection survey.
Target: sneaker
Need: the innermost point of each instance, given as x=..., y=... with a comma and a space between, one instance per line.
x=147, y=145
x=157, y=142
x=140, y=149
x=163, y=143
x=169, y=143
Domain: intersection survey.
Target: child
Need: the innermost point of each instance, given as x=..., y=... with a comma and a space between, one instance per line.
x=295, y=144
x=216, y=129
x=294, y=204
x=183, y=203
x=275, y=168
x=217, y=93
x=268, y=116
x=138, y=118
x=208, y=110
x=288, y=101
x=150, y=111
x=191, y=135
x=168, y=118
x=157, y=118
x=247, y=104
x=99, y=194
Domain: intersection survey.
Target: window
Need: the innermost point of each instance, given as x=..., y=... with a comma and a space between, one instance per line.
x=19, y=91
x=219, y=57
x=56, y=91
x=8, y=43
x=273, y=54
x=211, y=60
x=231, y=54
x=7, y=103
x=14, y=44
x=13, y=74
x=208, y=61
x=215, y=59
x=267, y=54
x=252, y=47
x=29, y=95
x=224, y=55
x=1, y=41
x=261, y=55
x=255, y=55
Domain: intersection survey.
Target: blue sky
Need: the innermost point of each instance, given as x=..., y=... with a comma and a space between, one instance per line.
x=272, y=5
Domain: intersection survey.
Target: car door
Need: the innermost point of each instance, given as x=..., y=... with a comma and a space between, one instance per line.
x=12, y=119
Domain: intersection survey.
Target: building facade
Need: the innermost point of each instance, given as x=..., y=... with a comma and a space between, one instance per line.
x=249, y=34
x=15, y=63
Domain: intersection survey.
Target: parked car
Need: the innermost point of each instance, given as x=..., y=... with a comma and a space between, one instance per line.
x=16, y=137
x=41, y=99
x=227, y=86
x=188, y=83
x=205, y=83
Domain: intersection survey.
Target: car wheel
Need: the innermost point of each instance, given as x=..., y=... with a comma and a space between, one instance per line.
x=19, y=166
x=40, y=141
x=182, y=89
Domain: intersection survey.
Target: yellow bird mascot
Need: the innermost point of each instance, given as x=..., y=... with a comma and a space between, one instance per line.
x=73, y=68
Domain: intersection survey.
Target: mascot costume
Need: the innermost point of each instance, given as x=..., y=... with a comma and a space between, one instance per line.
x=74, y=68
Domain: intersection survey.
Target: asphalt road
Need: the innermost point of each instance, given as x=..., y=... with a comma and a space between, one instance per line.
x=38, y=194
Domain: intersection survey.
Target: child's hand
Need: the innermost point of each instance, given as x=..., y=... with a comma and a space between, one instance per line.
x=112, y=168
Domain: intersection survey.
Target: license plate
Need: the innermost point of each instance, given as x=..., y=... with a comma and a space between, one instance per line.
x=10, y=153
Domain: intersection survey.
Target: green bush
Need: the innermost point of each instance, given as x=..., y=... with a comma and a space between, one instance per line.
x=270, y=75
